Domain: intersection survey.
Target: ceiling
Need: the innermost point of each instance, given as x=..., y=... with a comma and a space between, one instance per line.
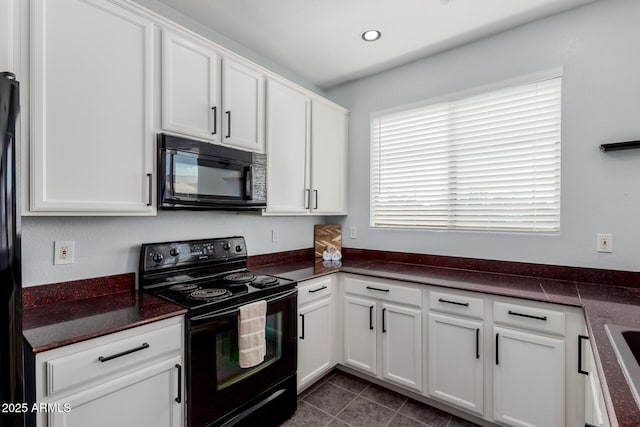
x=320, y=39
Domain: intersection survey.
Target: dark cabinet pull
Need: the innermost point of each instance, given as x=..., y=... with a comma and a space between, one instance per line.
x=497, y=349
x=179, y=398
x=311, y=291
x=371, y=317
x=302, y=334
x=307, y=194
x=513, y=313
x=215, y=120
x=477, y=343
x=377, y=289
x=228, y=113
x=465, y=304
x=384, y=330
x=580, y=370
x=315, y=194
x=124, y=353
x=150, y=179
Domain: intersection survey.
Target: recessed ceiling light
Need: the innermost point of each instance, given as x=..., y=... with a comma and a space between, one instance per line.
x=371, y=35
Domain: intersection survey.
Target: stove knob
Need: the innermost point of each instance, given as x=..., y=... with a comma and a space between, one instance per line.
x=238, y=248
x=226, y=246
x=158, y=257
x=174, y=252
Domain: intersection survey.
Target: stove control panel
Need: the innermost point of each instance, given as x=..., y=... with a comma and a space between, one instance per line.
x=158, y=256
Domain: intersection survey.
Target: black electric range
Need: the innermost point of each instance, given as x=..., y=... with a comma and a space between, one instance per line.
x=210, y=278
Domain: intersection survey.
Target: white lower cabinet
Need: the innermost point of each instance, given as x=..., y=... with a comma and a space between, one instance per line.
x=529, y=379
x=129, y=378
x=595, y=412
x=508, y=361
x=316, y=329
x=382, y=337
x=360, y=337
x=455, y=362
x=402, y=345
x=153, y=389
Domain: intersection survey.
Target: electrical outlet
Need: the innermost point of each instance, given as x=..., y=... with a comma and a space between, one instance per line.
x=63, y=252
x=274, y=236
x=353, y=232
x=605, y=243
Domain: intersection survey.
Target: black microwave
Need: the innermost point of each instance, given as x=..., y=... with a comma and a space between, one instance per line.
x=200, y=175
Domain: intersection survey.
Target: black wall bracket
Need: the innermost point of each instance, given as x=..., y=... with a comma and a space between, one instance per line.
x=620, y=146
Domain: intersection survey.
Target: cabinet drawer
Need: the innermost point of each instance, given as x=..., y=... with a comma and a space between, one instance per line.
x=457, y=304
x=534, y=318
x=384, y=291
x=111, y=358
x=312, y=290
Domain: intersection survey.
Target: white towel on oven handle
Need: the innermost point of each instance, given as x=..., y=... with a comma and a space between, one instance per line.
x=251, y=334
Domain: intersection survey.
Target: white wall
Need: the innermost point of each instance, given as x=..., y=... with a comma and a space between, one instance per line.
x=597, y=45
x=111, y=245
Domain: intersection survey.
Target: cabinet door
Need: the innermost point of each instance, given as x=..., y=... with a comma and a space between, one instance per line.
x=360, y=334
x=455, y=362
x=529, y=379
x=288, y=179
x=314, y=340
x=92, y=140
x=329, y=159
x=154, y=390
x=190, y=87
x=402, y=345
x=7, y=8
x=243, y=106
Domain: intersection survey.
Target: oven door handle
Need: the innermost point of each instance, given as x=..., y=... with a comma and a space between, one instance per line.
x=216, y=315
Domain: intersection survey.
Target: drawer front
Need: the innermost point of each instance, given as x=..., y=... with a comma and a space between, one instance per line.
x=315, y=289
x=534, y=318
x=113, y=358
x=462, y=305
x=384, y=291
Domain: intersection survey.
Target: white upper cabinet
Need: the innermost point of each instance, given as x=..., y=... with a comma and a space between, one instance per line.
x=6, y=36
x=328, y=158
x=307, y=153
x=92, y=140
x=190, y=87
x=288, y=145
x=242, y=105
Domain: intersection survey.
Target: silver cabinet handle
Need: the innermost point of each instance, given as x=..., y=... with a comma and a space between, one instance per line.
x=307, y=194
x=228, y=113
x=315, y=193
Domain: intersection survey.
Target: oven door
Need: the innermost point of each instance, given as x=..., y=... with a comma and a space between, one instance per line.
x=219, y=389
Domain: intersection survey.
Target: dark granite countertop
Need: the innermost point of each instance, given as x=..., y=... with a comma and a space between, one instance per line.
x=65, y=313
x=602, y=304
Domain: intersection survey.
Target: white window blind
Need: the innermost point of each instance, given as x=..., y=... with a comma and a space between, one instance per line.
x=485, y=162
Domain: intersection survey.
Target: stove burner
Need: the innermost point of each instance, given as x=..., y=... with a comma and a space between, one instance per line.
x=264, y=281
x=242, y=277
x=183, y=288
x=209, y=294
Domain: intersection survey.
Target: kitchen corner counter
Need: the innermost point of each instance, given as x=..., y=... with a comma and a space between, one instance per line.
x=603, y=303
x=65, y=313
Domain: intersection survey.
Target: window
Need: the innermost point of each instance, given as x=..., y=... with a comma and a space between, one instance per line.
x=485, y=162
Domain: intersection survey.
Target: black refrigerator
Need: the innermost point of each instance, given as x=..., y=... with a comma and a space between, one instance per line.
x=11, y=342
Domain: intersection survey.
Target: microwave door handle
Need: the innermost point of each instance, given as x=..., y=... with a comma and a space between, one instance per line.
x=248, y=182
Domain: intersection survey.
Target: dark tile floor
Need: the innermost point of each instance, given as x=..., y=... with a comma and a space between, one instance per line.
x=340, y=400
